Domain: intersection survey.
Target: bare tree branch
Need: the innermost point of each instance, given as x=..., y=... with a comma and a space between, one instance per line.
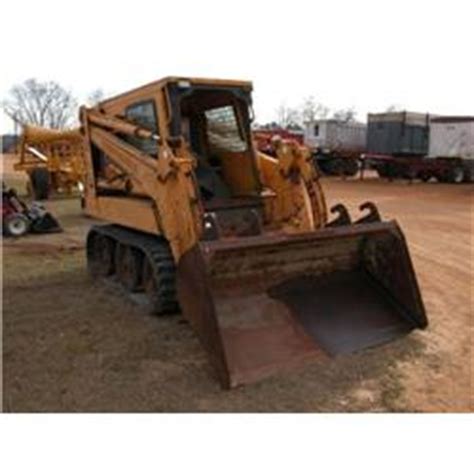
x=394, y=108
x=45, y=104
x=288, y=117
x=345, y=115
x=312, y=110
x=96, y=96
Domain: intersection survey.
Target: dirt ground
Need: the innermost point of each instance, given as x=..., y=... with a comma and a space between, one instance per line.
x=70, y=345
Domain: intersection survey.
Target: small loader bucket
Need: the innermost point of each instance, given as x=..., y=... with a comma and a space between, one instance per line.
x=46, y=224
x=42, y=221
x=262, y=304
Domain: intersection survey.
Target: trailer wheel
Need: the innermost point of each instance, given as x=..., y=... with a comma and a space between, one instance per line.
x=424, y=176
x=381, y=171
x=16, y=225
x=456, y=175
x=40, y=180
x=351, y=167
x=387, y=170
x=324, y=165
x=410, y=174
x=339, y=167
x=468, y=175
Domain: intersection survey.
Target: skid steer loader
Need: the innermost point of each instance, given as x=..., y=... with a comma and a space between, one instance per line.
x=240, y=241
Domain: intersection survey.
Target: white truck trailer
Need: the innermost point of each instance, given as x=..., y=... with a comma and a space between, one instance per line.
x=337, y=145
x=452, y=142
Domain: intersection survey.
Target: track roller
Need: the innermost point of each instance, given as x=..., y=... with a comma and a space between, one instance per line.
x=159, y=285
x=140, y=262
x=100, y=255
x=128, y=266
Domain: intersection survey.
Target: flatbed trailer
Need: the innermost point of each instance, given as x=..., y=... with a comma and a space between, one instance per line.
x=443, y=169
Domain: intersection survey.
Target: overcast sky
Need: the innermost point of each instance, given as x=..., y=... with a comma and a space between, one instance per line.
x=369, y=55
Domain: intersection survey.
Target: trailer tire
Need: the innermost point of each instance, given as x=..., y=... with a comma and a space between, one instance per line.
x=456, y=175
x=351, y=167
x=408, y=173
x=424, y=176
x=40, y=180
x=468, y=175
x=382, y=171
x=325, y=165
x=337, y=167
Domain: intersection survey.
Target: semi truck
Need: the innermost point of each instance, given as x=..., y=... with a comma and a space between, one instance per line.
x=410, y=145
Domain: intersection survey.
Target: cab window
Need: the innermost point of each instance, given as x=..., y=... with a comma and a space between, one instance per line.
x=223, y=131
x=143, y=114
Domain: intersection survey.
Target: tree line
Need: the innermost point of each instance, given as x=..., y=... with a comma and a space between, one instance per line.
x=48, y=104
x=45, y=104
x=310, y=110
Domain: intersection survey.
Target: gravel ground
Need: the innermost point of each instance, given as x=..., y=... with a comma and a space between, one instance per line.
x=69, y=345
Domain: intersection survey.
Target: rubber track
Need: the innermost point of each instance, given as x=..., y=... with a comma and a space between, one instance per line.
x=158, y=253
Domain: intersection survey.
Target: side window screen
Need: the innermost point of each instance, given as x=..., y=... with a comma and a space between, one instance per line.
x=222, y=130
x=143, y=114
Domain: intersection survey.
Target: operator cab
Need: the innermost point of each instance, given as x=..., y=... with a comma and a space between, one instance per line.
x=215, y=123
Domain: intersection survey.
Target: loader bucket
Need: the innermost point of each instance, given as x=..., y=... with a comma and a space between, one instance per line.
x=45, y=224
x=42, y=221
x=263, y=304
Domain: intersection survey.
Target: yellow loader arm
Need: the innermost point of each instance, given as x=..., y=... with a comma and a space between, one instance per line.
x=299, y=204
x=166, y=181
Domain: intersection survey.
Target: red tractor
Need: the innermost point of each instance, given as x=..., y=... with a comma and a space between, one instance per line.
x=19, y=219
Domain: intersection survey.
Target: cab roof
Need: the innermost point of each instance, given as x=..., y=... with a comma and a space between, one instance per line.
x=181, y=79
